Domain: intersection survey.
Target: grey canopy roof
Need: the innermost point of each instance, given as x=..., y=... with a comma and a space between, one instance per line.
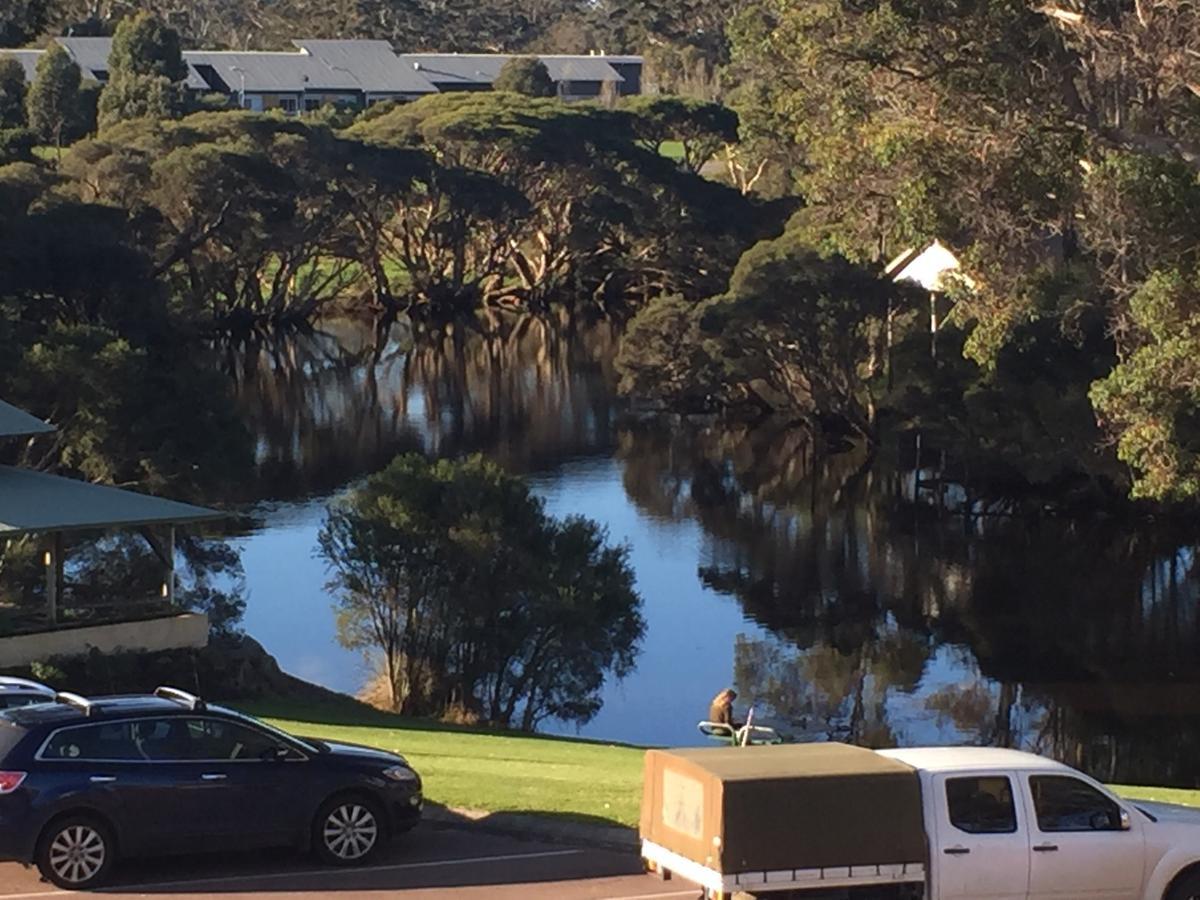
x=290, y=72
x=484, y=68
x=16, y=422
x=35, y=501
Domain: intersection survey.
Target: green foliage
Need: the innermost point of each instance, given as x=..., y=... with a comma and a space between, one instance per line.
x=134, y=96
x=143, y=45
x=526, y=75
x=701, y=128
x=146, y=71
x=52, y=104
x=16, y=145
x=796, y=333
x=475, y=598
x=23, y=21
x=12, y=93
x=1151, y=397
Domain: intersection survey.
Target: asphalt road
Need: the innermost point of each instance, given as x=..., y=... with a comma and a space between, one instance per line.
x=429, y=864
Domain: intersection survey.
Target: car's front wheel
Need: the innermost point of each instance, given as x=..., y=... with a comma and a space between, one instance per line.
x=347, y=831
x=76, y=853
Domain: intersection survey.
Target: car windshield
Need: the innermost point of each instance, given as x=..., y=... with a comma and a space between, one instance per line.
x=271, y=729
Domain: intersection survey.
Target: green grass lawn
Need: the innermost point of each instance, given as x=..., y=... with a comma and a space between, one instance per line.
x=482, y=770
x=487, y=771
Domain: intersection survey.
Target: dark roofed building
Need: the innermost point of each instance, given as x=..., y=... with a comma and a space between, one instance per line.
x=577, y=77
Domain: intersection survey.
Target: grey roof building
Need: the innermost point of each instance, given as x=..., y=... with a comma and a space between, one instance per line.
x=27, y=58
x=90, y=54
x=354, y=71
x=576, y=76
x=374, y=65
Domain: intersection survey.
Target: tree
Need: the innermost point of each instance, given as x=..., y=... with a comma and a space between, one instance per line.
x=146, y=71
x=701, y=127
x=526, y=75
x=475, y=598
x=53, y=100
x=12, y=93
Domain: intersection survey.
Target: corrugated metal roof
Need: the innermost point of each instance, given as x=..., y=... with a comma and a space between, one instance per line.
x=483, y=68
x=28, y=60
x=273, y=72
x=15, y=422
x=373, y=63
x=35, y=501
x=90, y=53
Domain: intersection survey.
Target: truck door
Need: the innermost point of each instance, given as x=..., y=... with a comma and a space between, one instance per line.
x=1083, y=844
x=981, y=848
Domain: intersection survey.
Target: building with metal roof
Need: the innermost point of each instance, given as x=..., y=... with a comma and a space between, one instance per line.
x=90, y=54
x=39, y=503
x=577, y=77
x=375, y=66
x=27, y=58
x=354, y=72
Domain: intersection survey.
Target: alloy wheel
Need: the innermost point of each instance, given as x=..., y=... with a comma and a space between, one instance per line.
x=77, y=853
x=350, y=831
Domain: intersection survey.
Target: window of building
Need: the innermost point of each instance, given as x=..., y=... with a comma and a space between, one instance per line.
x=1068, y=804
x=311, y=103
x=981, y=805
x=287, y=104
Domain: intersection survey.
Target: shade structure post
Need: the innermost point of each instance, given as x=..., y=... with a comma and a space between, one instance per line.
x=54, y=576
x=169, y=587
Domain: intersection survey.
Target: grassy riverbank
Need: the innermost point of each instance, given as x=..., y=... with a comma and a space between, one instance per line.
x=499, y=772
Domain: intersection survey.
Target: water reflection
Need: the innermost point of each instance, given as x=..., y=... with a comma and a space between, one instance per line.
x=808, y=574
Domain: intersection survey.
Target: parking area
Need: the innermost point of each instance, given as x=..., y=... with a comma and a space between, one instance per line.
x=427, y=864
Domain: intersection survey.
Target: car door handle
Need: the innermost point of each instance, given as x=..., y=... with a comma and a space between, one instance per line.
x=1046, y=848
x=956, y=851
x=213, y=776
x=102, y=779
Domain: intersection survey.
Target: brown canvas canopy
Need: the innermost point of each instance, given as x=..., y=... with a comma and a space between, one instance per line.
x=798, y=806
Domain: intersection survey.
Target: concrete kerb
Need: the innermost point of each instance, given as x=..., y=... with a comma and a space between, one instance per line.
x=532, y=826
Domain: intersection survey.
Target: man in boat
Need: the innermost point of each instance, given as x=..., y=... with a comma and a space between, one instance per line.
x=720, y=712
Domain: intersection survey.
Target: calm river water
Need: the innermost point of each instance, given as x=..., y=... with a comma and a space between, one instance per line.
x=812, y=583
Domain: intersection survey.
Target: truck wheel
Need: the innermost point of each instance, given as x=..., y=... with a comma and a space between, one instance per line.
x=1185, y=888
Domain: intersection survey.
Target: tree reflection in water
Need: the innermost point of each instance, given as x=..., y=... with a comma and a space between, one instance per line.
x=888, y=622
x=893, y=624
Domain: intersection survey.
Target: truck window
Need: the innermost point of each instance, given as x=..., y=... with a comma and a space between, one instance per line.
x=981, y=805
x=1068, y=804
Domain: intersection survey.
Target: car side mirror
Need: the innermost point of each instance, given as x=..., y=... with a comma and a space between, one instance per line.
x=1126, y=823
x=276, y=754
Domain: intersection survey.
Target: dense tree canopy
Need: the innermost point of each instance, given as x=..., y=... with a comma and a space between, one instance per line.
x=475, y=599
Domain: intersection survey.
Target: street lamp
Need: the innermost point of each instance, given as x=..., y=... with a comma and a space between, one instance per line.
x=242, y=93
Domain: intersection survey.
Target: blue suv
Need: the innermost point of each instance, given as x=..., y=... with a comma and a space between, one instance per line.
x=85, y=781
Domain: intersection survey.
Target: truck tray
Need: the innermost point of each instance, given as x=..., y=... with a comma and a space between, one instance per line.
x=756, y=812
x=766, y=882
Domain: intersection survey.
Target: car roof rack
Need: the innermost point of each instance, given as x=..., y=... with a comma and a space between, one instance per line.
x=191, y=701
x=80, y=703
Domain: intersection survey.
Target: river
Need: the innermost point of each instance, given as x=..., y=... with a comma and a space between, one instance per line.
x=814, y=582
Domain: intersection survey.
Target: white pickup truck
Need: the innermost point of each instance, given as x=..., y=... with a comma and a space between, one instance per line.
x=942, y=823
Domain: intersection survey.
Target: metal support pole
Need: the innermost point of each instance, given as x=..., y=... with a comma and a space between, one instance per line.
x=169, y=587
x=54, y=576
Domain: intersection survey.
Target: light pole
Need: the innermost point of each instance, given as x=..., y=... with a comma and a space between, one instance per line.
x=242, y=93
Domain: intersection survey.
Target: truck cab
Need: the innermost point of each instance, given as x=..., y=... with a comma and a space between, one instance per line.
x=1006, y=825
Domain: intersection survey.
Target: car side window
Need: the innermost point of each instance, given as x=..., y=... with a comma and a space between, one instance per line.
x=110, y=741
x=981, y=805
x=1068, y=804
x=217, y=739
